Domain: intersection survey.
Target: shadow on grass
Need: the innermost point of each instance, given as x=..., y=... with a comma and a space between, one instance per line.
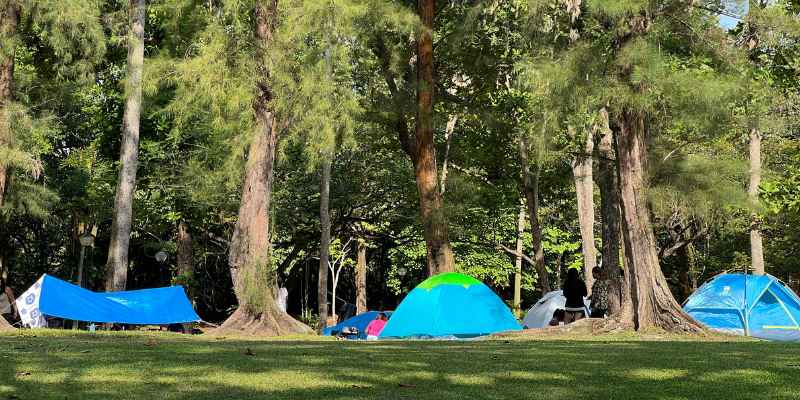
x=83, y=366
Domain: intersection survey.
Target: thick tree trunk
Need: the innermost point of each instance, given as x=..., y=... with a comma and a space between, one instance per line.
x=530, y=188
x=361, y=277
x=117, y=263
x=9, y=17
x=619, y=301
x=584, y=191
x=756, y=246
x=653, y=303
x=253, y=282
x=518, y=258
x=324, y=241
x=431, y=204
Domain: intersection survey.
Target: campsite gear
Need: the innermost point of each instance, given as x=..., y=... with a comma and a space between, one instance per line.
x=354, y=328
x=541, y=313
x=52, y=297
x=450, y=305
x=752, y=305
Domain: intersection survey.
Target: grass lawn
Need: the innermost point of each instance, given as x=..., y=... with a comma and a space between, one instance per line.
x=64, y=365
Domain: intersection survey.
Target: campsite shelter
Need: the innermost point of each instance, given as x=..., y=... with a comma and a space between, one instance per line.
x=541, y=313
x=52, y=297
x=359, y=322
x=753, y=305
x=450, y=305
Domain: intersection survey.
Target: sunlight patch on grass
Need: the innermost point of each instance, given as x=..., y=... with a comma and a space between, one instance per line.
x=657, y=373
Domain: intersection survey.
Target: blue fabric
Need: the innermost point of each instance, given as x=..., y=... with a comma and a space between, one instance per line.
x=159, y=306
x=759, y=305
x=450, y=310
x=359, y=322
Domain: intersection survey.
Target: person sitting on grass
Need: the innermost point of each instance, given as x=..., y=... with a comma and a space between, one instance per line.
x=558, y=317
x=599, y=304
x=575, y=292
x=375, y=327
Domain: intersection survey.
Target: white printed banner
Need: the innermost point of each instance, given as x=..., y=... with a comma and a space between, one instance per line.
x=28, y=306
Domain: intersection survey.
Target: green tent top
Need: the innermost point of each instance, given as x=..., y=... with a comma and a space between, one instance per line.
x=449, y=278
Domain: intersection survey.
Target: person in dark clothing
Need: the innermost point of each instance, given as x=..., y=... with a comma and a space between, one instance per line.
x=574, y=289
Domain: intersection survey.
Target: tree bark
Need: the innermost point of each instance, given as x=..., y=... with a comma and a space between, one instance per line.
x=324, y=241
x=361, y=277
x=584, y=191
x=253, y=282
x=653, y=303
x=518, y=258
x=619, y=295
x=756, y=245
x=9, y=18
x=431, y=204
x=185, y=257
x=530, y=188
x=117, y=263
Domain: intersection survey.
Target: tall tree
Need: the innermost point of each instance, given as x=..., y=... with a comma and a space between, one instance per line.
x=619, y=294
x=530, y=188
x=756, y=244
x=324, y=241
x=9, y=18
x=117, y=263
x=584, y=190
x=249, y=255
x=423, y=151
x=361, y=277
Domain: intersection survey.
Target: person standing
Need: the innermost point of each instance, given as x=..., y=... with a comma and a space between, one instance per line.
x=599, y=303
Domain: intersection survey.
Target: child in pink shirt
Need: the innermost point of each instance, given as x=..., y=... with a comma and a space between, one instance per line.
x=376, y=326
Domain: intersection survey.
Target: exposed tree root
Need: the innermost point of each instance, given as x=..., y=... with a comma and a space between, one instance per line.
x=5, y=326
x=268, y=323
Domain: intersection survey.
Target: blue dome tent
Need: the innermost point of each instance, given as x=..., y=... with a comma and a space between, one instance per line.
x=753, y=305
x=359, y=322
x=450, y=305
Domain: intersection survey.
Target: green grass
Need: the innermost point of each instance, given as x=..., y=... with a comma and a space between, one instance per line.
x=64, y=365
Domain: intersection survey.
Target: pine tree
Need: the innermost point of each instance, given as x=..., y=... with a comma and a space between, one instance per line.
x=117, y=263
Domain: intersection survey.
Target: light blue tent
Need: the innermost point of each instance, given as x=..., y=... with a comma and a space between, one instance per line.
x=450, y=305
x=759, y=306
x=359, y=322
x=52, y=297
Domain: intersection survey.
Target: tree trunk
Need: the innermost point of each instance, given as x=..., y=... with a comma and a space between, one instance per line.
x=324, y=241
x=756, y=246
x=530, y=188
x=432, y=212
x=253, y=282
x=619, y=301
x=361, y=278
x=653, y=303
x=117, y=263
x=185, y=257
x=9, y=17
x=185, y=267
x=518, y=258
x=584, y=190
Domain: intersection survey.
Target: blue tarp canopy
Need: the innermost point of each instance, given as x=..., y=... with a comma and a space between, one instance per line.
x=52, y=297
x=755, y=305
x=359, y=322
